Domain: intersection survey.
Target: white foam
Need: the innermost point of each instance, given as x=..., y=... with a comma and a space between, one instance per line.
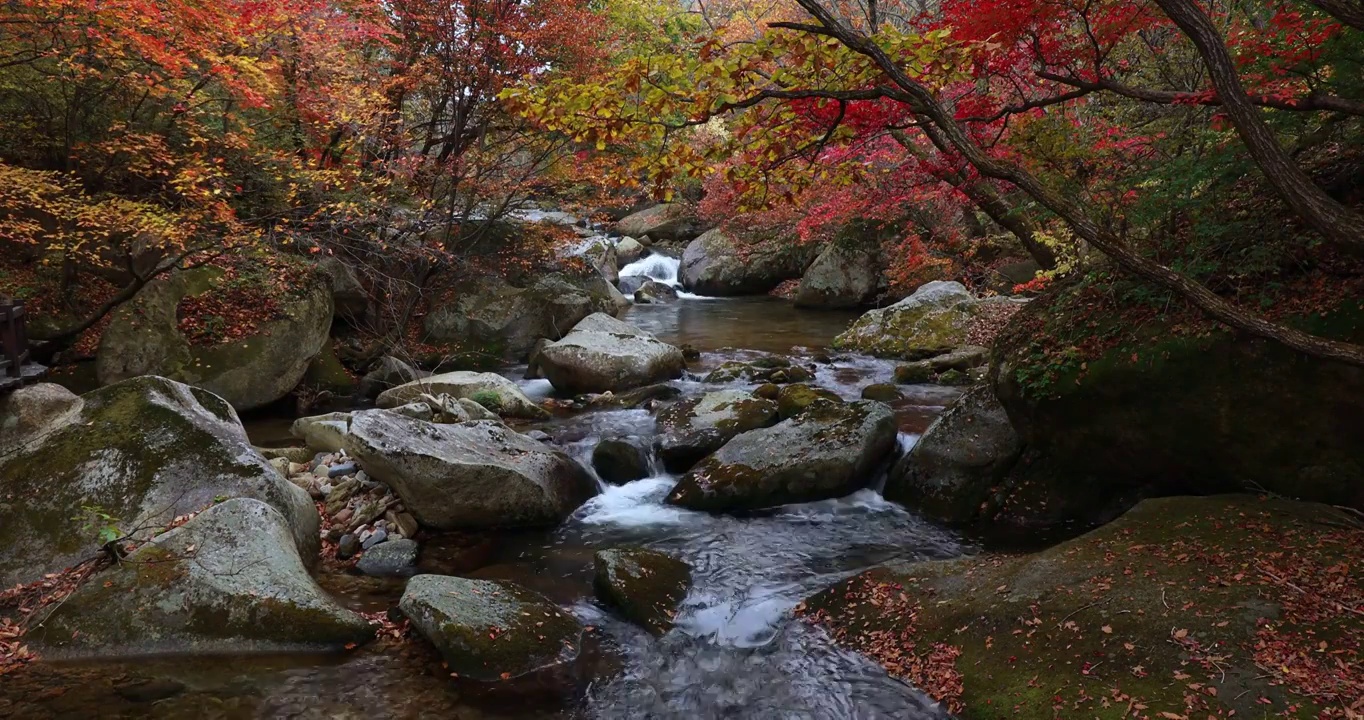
x=634, y=504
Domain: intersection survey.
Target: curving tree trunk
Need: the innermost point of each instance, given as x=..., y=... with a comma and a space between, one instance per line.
x=1348, y=12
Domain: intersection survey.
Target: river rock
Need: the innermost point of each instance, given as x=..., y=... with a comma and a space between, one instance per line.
x=144, y=338
x=228, y=581
x=795, y=399
x=468, y=475
x=494, y=631
x=630, y=284
x=717, y=264
x=638, y=397
x=953, y=469
x=392, y=558
x=604, y=354
x=143, y=451
x=828, y=451
x=843, y=276
x=932, y=321
x=668, y=222
x=322, y=433
x=31, y=412
x=697, y=427
x=602, y=255
x=388, y=372
x=490, y=390
x=960, y=360
x=646, y=586
x=500, y=320
x=629, y=250
x=775, y=369
x=655, y=293
x=621, y=460
x=882, y=392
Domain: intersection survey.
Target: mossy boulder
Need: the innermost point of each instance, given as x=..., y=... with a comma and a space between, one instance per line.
x=646, y=586
x=774, y=369
x=494, y=632
x=142, y=451
x=697, y=427
x=1165, y=411
x=954, y=468
x=932, y=321
x=470, y=475
x=621, y=460
x=882, y=392
x=828, y=451
x=505, y=321
x=326, y=373
x=228, y=581
x=494, y=392
x=1183, y=607
x=795, y=399
x=144, y=338
x=603, y=354
x=946, y=369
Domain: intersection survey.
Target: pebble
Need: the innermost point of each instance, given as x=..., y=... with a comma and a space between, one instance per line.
x=343, y=517
x=395, y=557
x=345, y=468
x=375, y=538
x=347, y=547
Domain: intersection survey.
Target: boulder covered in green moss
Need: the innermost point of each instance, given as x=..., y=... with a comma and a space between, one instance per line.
x=1169, y=406
x=468, y=475
x=933, y=321
x=697, y=427
x=134, y=456
x=494, y=392
x=494, y=632
x=144, y=337
x=954, y=468
x=828, y=451
x=794, y=399
x=603, y=354
x=1185, y=607
x=229, y=581
x=646, y=586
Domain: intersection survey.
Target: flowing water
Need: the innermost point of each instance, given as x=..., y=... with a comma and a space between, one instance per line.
x=736, y=651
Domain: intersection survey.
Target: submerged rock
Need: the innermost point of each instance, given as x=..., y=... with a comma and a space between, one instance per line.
x=647, y=586
x=604, y=354
x=953, y=469
x=468, y=475
x=494, y=632
x=494, y=392
x=828, y=451
x=228, y=581
x=141, y=451
x=621, y=460
x=144, y=338
x=697, y=427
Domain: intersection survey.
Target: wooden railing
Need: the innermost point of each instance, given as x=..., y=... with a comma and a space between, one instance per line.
x=13, y=339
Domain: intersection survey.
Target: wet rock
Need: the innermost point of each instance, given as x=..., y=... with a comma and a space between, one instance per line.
x=775, y=369
x=143, y=451
x=388, y=372
x=668, y=222
x=151, y=690
x=30, y=412
x=490, y=390
x=619, y=461
x=144, y=338
x=322, y=433
x=395, y=558
x=533, y=371
x=637, y=397
x=953, y=365
x=348, y=546
x=844, y=275
x=228, y=581
x=954, y=378
x=795, y=399
x=629, y=250
x=932, y=321
x=828, y=451
x=604, y=354
x=916, y=373
x=646, y=586
x=539, y=436
x=715, y=264
x=953, y=469
x=407, y=525
x=697, y=427
x=375, y=538
x=468, y=475
x=655, y=293
x=882, y=392
x=630, y=284
x=690, y=353
x=768, y=391
x=494, y=632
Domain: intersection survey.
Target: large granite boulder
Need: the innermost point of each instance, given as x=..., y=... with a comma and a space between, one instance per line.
x=828, y=451
x=843, y=276
x=468, y=475
x=668, y=222
x=646, y=586
x=952, y=470
x=932, y=321
x=229, y=581
x=717, y=264
x=493, y=632
x=31, y=411
x=604, y=354
x=697, y=427
x=493, y=317
x=144, y=338
x=491, y=390
x=143, y=452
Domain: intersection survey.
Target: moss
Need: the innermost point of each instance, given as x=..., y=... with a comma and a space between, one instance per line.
x=326, y=372
x=914, y=373
x=645, y=585
x=794, y=399
x=1151, y=610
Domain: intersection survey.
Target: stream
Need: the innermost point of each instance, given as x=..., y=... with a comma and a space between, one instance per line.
x=735, y=653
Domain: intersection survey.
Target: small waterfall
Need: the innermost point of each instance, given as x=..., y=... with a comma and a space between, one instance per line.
x=657, y=267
